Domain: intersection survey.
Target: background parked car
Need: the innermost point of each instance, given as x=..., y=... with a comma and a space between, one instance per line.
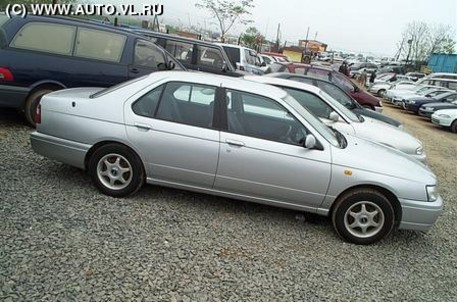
x=413, y=104
x=446, y=118
x=194, y=54
x=338, y=94
x=428, y=109
x=245, y=59
x=43, y=54
x=320, y=72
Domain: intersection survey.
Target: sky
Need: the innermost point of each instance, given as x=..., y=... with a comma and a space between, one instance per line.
x=352, y=25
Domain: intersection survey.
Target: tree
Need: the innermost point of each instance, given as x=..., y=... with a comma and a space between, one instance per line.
x=420, y=40
x=252, y=37
x=228, y=12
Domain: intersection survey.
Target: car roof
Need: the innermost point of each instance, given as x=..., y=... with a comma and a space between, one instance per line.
x=142, y=31
x=76, y=21
x=218, y=80
x=283, y=82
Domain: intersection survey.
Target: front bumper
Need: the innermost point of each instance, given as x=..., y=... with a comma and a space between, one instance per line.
x=378, y=109
x=419, y=215
x=65, y=151
x=425, y=113
x=444, y=122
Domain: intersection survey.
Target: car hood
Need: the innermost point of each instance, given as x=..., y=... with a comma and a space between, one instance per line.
x=416, y=98
x=373, y=157
x=451, y=112
x=386, y=134
x=438, y=105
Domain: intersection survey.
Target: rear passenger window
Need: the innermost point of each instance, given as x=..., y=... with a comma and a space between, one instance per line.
x=185, y=103
x=147, y=104
x=181, y=51
x=99, y=45
x=46, y=37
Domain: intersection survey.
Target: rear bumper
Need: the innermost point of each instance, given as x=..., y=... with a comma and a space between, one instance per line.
x=419, y=215
x=65, y=151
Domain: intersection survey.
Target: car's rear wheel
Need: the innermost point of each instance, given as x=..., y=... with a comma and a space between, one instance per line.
x=454, y=126
x=116, y=170
x=31, y=103
x=363, y=216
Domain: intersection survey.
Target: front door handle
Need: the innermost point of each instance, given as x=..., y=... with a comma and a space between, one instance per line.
x=234, y=143
x=134, y=70
x=143, y=126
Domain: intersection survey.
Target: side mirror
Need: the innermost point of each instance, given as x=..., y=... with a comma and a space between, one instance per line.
x=310, y=142
x=333, y=116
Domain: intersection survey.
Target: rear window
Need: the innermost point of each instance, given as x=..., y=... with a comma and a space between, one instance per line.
x=116, y=87
x=233, y=54
x=3, y=19
x=46, y=37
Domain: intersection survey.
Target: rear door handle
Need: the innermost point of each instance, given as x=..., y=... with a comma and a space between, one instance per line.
x=143, y=126
x=234, y=143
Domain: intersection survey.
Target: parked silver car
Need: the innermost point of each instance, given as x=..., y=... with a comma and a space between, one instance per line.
x=238, y=139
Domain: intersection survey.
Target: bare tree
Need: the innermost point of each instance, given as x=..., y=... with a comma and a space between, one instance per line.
x=228, y=12
x=441, y=39
x=420, y=40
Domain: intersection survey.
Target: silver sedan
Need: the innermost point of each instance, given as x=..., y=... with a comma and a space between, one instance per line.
x=238, y=139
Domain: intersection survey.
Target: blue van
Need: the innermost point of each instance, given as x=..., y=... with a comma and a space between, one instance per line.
x=43, y=54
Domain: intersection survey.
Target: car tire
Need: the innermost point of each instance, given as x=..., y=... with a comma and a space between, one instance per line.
x=31, y=104
x=382, y=93
x=116, y=170
x=454, y=126
x=363, y=216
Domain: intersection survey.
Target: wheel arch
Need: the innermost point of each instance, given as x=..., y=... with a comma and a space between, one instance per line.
x=96, y=146
x=387, y=193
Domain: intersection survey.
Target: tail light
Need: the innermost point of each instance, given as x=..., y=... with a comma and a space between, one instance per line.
x=37, y=117
x=5, y=74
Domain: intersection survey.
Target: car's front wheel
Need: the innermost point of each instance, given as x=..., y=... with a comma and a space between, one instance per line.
x=363, y=216
x=116, y=170
x=454, y=126
x=382, y=93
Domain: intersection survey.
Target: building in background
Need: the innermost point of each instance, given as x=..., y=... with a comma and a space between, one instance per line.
x=439, y=62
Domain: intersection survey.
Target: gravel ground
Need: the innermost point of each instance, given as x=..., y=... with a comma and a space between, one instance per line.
x=61, y=240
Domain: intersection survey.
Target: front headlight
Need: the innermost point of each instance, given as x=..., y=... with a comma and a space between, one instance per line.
x=444, y=115
x=430, y=109
x=419, y=150
x=432, y=193
x=412, y=102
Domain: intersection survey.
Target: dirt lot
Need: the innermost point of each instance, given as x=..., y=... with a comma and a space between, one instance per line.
x=61, y=240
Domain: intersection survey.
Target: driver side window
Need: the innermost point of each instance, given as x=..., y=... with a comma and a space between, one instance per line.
x=260, y=117
x=147, y=54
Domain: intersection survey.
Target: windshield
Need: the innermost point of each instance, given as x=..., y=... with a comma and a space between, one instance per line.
x=346, y=112
x=314, y=121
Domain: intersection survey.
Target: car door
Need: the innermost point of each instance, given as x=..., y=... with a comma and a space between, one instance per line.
x=172, y=128
x=147, y=58
x=262, y=154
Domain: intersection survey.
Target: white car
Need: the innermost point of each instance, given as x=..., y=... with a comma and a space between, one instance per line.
x=446, y=118
x=336, y=115
x=397, y=94
x=380, y=88
x=245, y=59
